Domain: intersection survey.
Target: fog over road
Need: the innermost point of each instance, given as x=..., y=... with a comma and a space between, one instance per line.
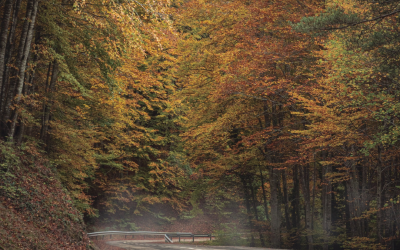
x=158, y=245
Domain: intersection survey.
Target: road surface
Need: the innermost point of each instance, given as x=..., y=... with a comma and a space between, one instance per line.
x=157, y=245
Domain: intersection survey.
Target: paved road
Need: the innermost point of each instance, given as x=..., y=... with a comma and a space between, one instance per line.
x=157, y=245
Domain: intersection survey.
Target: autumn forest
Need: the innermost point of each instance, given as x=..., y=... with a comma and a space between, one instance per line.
x=288, y=110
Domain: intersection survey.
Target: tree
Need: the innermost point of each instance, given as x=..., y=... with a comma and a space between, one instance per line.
x=239, y=60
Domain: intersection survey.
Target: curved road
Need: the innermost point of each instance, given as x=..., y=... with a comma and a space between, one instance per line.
x=157, y=245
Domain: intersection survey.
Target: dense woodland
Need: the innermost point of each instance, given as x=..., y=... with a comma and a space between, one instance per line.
x=289, y=109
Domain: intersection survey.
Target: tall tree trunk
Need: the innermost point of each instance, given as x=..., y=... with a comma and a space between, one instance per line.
x=364, y=198
x=295, y=205
x=275, y=215
x=23, y=65
x=286, y=201
x=313, y=192
x=28, y=90
x=10, y=47
x=21, y=129
x=254, y=199
x=354, y=197
x=244, y=180
x=326, y=205
x=45, y=101
x=5, y=22
x=3, y=46
x=304, y=176
x=379, y=196
x=262, y=175
x=47, y=108
x=13, y=85
x=31, y=90
x=264, y=194
x=274, y=182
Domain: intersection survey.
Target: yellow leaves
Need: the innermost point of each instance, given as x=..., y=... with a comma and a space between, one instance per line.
x=230, y=74
x=151, y=200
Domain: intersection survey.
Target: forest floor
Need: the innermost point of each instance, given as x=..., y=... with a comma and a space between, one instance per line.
x=35, y=210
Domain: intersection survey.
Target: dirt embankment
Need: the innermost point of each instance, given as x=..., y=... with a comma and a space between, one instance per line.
x=35, y=210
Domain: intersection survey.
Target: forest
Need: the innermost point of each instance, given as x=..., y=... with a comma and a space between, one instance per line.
x=287, y=109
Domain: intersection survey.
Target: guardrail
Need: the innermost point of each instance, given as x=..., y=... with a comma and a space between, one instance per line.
x=188, y=235
x=168, y=236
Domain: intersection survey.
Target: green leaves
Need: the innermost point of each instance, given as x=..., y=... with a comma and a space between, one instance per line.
x=333, y=18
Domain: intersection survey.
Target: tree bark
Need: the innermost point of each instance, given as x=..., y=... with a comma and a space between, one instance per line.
x=354, y=198
x=379, y=196
x=275, y=215
x=286, y=200
x=3, y=37
x=24, y=64
x=295, y=202
x=306, y=192
x=21, y=129
x=21, y=49
x=264, y=194
x=254, y=199
x=248, y=207
x=326, y=205
x=10, y=47
x=47, y=108
x=3, y=46
x=273, y=181
x=313, y=192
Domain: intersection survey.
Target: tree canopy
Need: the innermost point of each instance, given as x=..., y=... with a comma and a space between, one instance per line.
x=288, y=109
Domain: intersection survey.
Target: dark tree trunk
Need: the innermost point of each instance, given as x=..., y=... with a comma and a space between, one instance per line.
x=245, y=181
x=274, y=182
x=286, y=201
x=21, y=128
x=5, y=22
x=275, y=214
x=355, y=202
x=3, y=42
x=264, y=194
x=313, y=193
x=304, y=176
x=326, y=205
x=254, y=199
x=379, y=196
x=295, y=206
x=47, y=108
x=28, y=89
x=10, y=47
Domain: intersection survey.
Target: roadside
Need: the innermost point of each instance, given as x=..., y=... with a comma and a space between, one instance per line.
x=151, y=245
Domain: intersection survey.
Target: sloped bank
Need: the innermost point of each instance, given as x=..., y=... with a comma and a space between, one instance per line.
x=35, y=210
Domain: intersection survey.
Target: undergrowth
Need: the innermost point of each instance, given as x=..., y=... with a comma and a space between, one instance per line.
x=35, y=211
